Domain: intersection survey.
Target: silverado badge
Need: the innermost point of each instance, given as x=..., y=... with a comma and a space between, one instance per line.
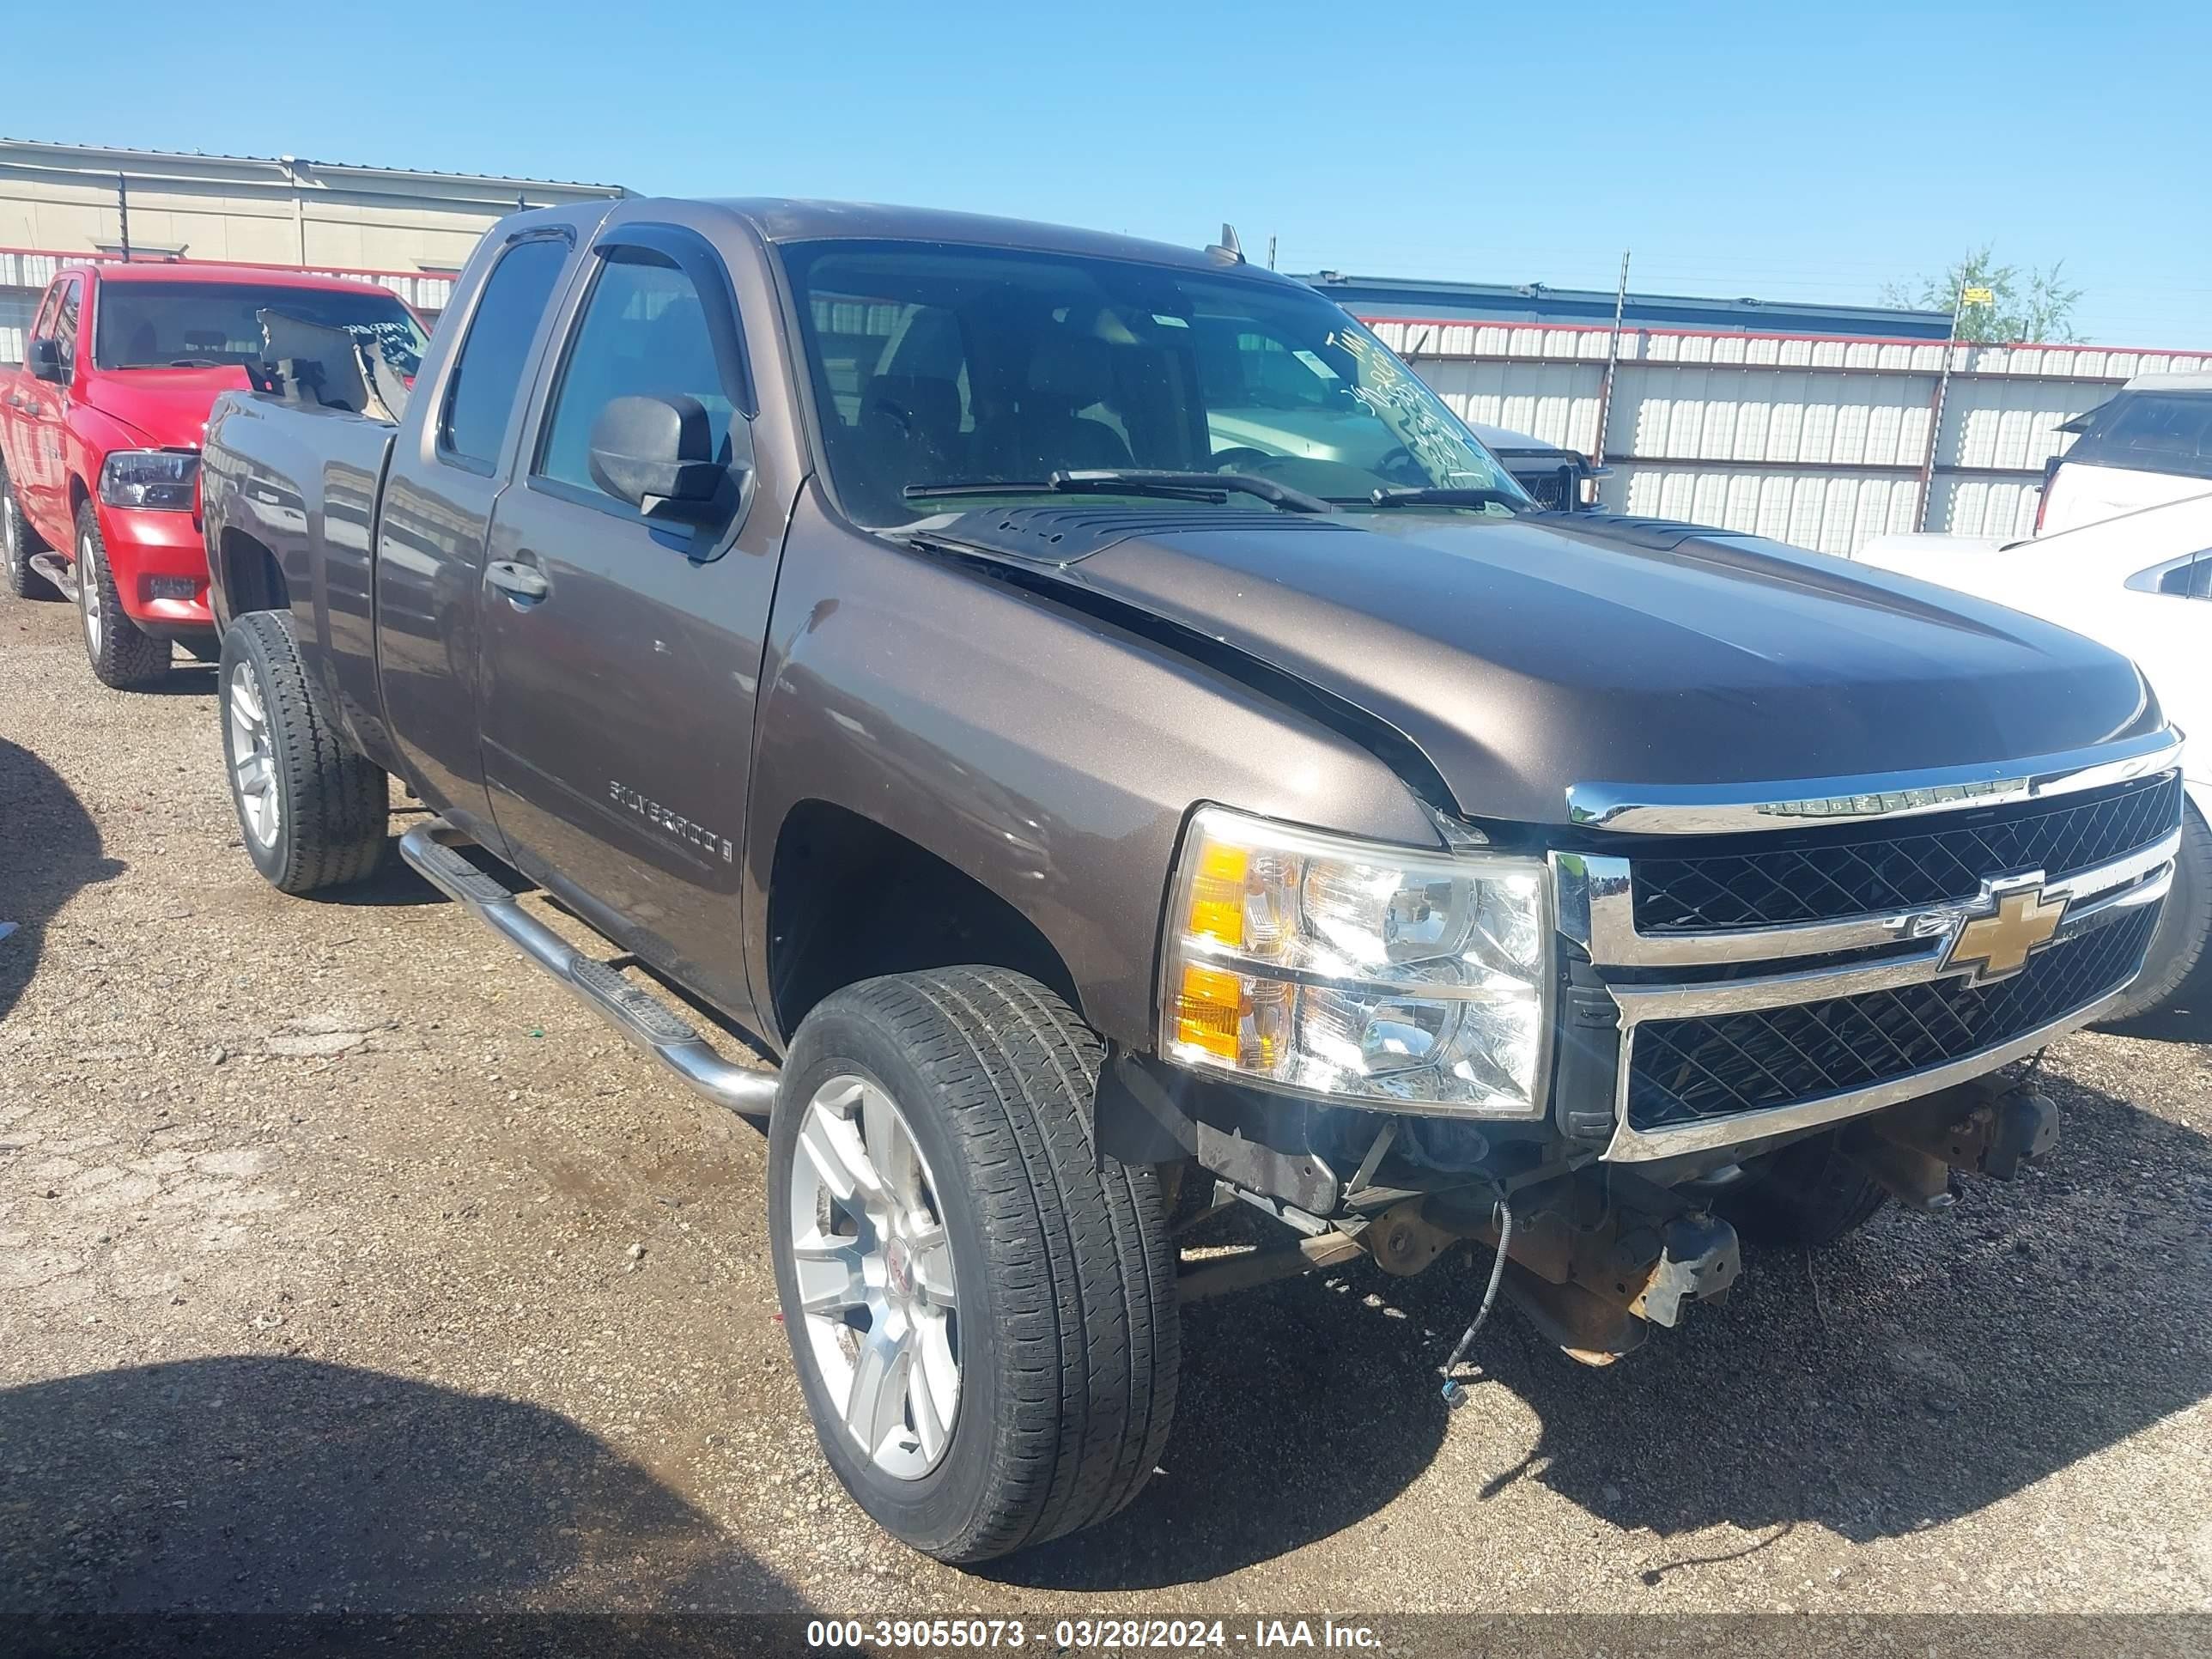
x=1998, y=943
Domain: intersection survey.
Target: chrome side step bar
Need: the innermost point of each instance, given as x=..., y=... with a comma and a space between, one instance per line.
x=57, y=570
x=630, y=1010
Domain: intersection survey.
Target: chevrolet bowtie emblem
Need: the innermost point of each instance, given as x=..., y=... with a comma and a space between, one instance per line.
x=2021, y=923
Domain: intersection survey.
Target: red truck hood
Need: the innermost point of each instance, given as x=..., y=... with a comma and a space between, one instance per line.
x=169, y=406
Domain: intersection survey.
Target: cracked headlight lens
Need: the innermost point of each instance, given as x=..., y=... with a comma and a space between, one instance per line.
x=1401, y=977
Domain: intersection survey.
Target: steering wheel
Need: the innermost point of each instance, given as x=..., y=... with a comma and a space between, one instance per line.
x=1242, y=458
x=1399, y=467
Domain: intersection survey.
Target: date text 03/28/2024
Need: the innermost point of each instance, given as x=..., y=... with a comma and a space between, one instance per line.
x=1089, y=1635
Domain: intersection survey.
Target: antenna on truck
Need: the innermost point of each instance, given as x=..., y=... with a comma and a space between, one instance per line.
x=1228, y=250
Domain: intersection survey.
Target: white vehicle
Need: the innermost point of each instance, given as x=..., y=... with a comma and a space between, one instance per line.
x=2141, y=583
x=2150, y=442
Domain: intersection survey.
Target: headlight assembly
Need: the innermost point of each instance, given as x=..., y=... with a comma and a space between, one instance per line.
x=1390, y=976
x=160, y=478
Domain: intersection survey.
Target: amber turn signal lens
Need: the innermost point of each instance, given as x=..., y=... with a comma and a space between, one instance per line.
x=1210, y=1010
x=1216, y=895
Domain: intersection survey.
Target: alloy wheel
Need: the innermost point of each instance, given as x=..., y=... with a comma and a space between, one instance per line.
x=87, y=592
x=875, y=1276
x=253, y=757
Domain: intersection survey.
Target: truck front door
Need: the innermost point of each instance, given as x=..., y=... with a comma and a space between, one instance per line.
x=621, y=653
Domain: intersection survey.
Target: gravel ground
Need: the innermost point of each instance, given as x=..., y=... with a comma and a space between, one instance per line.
x=345, y=1262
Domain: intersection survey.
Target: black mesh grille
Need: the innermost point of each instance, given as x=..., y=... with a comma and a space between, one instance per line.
x=1810, y=876
x=1554, y=488
x=1682, y=1069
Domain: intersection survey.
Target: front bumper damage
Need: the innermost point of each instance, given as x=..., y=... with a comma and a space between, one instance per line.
x=1598, y=1253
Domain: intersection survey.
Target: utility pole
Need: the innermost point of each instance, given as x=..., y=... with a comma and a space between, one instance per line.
x=1271, y=251
x=1612, y=363
x=123, y=212
x=1966, y=295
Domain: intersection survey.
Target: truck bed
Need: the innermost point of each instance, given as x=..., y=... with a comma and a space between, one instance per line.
x=291, y=488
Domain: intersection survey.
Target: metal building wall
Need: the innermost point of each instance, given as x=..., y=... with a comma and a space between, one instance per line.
x=63, y=203
x=1816, y=441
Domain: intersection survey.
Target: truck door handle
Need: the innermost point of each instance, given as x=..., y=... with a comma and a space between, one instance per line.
x=519, y=582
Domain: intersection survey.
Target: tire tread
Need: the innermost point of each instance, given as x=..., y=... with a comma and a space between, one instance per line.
x=336, y=803
x=1084, y=1268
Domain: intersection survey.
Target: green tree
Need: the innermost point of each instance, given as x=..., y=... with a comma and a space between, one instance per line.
x=2035, y=306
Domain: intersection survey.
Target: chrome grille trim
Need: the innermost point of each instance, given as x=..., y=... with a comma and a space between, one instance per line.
x=1639, y=1004
x=1596, y=910
x=1595, y=893
x=1728, y=809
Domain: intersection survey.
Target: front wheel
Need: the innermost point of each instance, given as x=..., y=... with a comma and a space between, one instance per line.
x=980, y=1306
x=312, y=813
x=122, y=654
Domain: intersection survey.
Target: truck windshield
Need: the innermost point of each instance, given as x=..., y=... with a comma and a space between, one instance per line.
x=936, y=365
x=194, y=325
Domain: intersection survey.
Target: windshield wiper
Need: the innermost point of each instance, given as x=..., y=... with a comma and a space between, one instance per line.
x=1215, y=486
x=1432, y=495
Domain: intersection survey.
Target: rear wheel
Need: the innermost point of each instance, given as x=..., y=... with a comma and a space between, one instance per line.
x=1810, y=1195
x=981, y=1306
x=122, y=654
x=18, y=541
x=312, y=814
x=2176, y=944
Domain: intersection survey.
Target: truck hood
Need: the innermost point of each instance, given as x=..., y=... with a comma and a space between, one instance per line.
x=1524, y=656
x=167, y=406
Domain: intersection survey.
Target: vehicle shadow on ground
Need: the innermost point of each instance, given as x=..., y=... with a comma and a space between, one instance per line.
x=185, y=678
x=272, y=1486
x=49, y=848
x=1941, y=1364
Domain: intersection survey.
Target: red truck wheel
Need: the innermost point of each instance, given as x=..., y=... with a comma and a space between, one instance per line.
x=18, y=541
x=980, y=1306
x=121, y=655
x=311, y=813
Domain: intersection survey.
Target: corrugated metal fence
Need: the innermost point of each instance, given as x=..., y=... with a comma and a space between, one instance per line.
x=1816, y=441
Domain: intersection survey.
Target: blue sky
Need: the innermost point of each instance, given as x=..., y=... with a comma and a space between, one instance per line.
x=1805, y=151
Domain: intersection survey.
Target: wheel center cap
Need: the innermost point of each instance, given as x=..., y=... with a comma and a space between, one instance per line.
x=898, y=1268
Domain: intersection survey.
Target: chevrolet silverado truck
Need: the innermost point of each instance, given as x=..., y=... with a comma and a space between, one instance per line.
x=855, y=617
x=100, y=428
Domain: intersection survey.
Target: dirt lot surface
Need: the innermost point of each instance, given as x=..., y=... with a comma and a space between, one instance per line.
x=345, y=1262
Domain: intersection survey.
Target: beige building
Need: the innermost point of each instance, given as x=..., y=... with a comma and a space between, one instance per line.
x=407, y=229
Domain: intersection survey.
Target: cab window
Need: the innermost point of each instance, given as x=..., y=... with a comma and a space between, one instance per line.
x=488, y=374
x=65, y=318
x=643, y=334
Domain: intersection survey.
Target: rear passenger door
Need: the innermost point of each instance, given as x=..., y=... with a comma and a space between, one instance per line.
x=23, y=389
x=620, y=681
x=436, y=512
x=43, y=413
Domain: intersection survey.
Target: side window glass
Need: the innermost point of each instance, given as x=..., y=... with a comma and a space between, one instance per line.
x=481, y=396
x=42, y=328
x=2189, y=579
x=643, y=334
x=65, y=329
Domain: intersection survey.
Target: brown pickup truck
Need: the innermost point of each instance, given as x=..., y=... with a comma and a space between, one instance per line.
x=928, y=652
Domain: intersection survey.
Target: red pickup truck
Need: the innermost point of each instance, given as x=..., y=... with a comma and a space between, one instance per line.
x=100, y=430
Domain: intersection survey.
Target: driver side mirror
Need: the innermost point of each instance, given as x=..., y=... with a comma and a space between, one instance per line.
x=45, y=362
x=658, y=454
